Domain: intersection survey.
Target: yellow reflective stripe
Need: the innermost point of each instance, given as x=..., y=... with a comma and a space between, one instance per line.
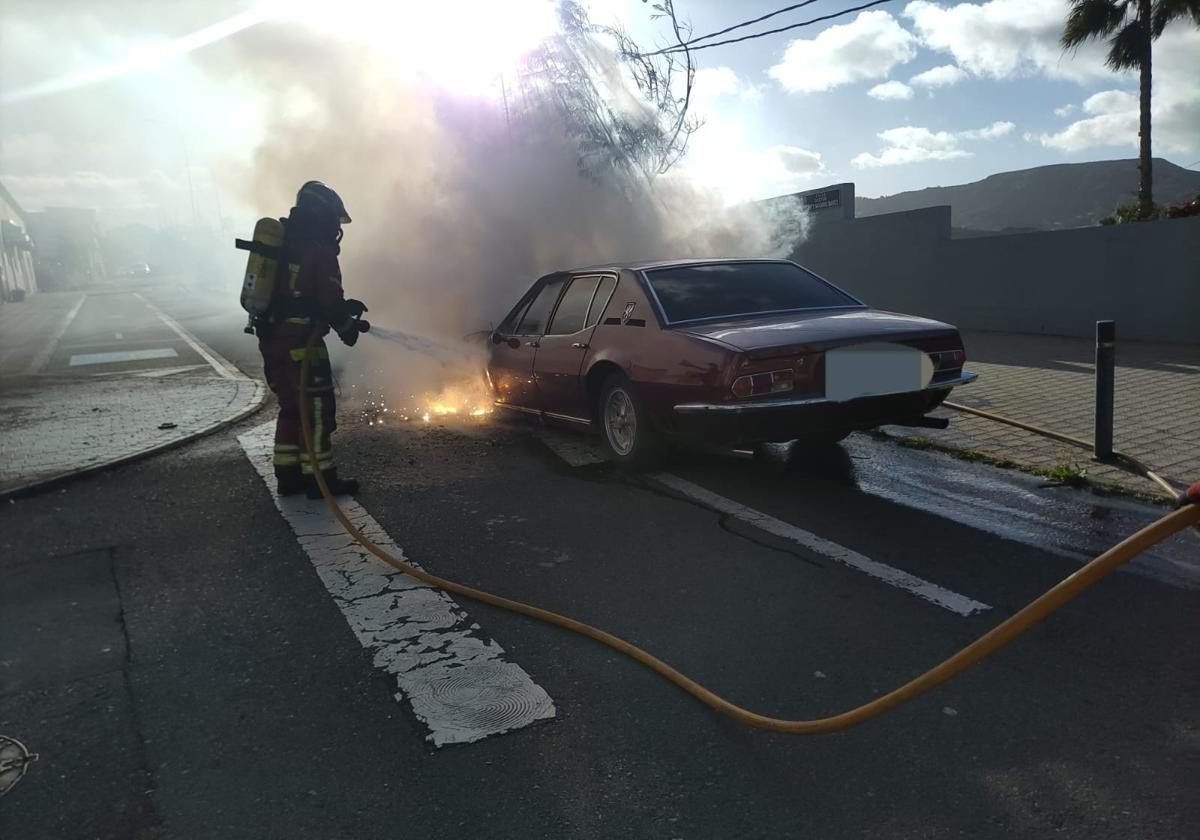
x=299, y=320
x=286, y=459
x=297, y=353
x=324, y=456
x=293, y=272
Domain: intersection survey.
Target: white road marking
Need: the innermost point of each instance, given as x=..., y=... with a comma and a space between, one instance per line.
x=150, y=372
x=121, y=356
x=43, y=358
x=944, y=598
x=223, y=368
x=458, y=683
x=162, y=372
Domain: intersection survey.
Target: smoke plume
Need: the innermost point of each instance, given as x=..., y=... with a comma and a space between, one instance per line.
x=459, y=204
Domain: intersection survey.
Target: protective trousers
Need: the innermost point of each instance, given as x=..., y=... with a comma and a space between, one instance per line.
x=282, y=359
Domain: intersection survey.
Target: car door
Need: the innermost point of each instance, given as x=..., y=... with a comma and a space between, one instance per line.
x=516, y=343
x=562, y=349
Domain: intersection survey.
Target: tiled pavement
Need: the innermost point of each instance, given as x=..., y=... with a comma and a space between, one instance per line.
x=1049, y=381
x=65, y=426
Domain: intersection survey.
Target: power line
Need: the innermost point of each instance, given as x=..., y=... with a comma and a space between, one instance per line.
x=688, y=46
x=729, y=29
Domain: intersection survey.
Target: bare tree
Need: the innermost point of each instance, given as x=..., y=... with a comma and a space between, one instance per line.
x=586, y=70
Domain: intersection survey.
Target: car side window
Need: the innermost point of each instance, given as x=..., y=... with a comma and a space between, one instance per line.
x=533, y=322
x=508, y=325
x=573, y=308
x=600, y=300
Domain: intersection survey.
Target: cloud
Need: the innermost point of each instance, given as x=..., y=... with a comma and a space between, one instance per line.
x=1113, y=122
x=797, y=161
x=751, y=93
x=715, y=82
x=867, y=48
x=944, y=76
x=1112, y=116
x=996, y=129
x=891, y=90
x=711, y=82
x=914, y=144
x=1005, y=38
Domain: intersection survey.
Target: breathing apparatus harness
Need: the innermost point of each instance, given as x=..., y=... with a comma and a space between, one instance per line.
x=317, y=217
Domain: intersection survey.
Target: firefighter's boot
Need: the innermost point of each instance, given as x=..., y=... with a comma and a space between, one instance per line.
x=337, y=486
x=289, y=481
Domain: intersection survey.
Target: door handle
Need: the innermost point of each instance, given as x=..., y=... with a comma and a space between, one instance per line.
x=580, y=345
x=534, y=343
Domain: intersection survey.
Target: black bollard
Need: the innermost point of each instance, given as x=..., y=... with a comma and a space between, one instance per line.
x=1106, y=340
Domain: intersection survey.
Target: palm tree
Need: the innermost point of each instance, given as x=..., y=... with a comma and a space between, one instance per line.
x=1130, y=26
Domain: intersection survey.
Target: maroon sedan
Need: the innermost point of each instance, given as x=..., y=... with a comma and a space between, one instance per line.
x=716, y=353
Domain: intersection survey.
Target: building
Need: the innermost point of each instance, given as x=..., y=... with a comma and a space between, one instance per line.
x=833, y=202
x=68, y=252
x=17, y=273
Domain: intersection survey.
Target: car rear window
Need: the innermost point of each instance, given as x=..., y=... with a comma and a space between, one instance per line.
x=695, y=292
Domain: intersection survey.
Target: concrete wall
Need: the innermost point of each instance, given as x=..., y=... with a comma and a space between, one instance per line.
x=1146, y=277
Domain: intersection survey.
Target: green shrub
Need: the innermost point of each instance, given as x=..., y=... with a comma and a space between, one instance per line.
x=1131, y=212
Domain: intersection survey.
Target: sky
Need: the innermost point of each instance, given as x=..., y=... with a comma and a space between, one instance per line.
x=102, y=104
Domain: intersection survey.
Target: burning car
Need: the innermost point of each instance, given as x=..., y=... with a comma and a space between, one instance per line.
x=716, y=353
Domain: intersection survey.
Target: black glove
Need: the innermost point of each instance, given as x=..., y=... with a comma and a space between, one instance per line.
x=354, y=308
x=349, y=335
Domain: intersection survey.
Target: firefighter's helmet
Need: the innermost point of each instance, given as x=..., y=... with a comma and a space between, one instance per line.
x=322, y=200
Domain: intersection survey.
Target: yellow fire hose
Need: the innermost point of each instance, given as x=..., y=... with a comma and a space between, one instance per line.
x=1137, y=465
x=990, y=642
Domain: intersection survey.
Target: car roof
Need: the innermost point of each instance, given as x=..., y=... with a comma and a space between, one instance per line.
x=643, y=265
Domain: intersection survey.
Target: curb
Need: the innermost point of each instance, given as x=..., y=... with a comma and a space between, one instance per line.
x=34, y=487
x=1104, y=488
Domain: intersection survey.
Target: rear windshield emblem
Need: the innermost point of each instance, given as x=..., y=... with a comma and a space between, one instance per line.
x=628, y=313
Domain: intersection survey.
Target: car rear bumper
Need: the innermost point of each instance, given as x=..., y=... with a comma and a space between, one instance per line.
x=787, y=419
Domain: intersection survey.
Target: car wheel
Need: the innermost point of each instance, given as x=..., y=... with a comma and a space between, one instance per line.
x=625, y=426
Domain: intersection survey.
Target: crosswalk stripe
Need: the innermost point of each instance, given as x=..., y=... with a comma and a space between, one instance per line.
x=457, y=681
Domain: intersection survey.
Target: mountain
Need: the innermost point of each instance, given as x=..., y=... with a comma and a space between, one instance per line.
x=1064, y=195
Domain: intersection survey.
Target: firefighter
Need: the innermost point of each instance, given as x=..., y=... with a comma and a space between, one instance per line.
x=307, y=299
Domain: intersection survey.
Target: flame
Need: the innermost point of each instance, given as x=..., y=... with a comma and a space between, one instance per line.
x=465, y=401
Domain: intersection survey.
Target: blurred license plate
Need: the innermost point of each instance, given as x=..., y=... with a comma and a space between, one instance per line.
x=864, y=370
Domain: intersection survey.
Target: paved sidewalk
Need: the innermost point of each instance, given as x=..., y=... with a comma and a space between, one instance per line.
x=1049, y=381
x=77, y=425
x=62, y=412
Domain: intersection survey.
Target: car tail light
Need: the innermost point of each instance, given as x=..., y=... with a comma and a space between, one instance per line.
x=764, y=384
x=948, y=359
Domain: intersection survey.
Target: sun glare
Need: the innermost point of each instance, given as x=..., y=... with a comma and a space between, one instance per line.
x=465, y=47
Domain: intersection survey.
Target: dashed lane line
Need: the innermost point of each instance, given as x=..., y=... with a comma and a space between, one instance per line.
x=944, y=598
x=458, y=682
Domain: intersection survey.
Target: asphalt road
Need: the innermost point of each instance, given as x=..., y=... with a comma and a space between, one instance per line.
x=167, y=647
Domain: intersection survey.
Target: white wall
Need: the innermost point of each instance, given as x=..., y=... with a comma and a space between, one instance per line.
x=1146, y=276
